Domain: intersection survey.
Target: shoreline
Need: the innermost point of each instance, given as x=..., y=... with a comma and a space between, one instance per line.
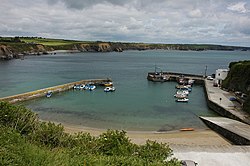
x=203, y=137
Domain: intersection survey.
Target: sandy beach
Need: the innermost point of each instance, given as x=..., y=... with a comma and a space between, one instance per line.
x=196, y=137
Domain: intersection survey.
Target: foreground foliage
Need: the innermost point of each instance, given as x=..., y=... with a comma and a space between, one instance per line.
x=26, y=141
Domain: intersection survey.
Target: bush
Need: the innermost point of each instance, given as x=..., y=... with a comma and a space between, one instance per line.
x=115, y=142
x=22, y=136
x=152, y=151
x=48, y=134
x=18, y=118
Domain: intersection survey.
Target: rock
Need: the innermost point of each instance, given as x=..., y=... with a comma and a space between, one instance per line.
x=5, y=52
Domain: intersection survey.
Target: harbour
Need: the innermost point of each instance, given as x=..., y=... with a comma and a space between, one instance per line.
x=55, y=89
x=137, y=104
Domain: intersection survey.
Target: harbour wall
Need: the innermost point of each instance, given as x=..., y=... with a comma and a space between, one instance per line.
x=173, y=76
x=54, y=89
x=218, y=108
x=234, y=137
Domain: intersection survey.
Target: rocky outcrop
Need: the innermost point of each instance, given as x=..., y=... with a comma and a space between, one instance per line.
x=99, y=47
x=5, y=52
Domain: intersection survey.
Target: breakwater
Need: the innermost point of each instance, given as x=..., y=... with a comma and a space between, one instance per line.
x=54, y=89
x=236, y=132
x=172, y=76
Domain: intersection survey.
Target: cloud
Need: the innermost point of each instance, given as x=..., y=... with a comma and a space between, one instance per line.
x=195, y=13
x=154, y=21
x=80, y=4
x=238, y=7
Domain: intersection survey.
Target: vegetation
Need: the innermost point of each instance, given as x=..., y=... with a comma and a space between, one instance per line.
x=26, y=141
x=238, y=79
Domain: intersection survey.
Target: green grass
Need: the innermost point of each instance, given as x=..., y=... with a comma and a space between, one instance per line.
x=25, y=141
x=49, y=42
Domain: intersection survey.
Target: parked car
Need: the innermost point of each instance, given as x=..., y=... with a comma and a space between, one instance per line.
x=210, y=78
x=188, y=163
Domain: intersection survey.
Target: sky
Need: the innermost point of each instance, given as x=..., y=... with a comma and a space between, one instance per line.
x=225, y=22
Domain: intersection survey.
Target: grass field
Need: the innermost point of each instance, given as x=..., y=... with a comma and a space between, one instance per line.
x=49, y=42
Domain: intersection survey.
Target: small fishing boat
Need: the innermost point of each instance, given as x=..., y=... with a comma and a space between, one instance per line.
x=182, y=100
x=76, y=87
x=180, y=96
x=187, y=129
x=109, y=89
x=108, y=84
x=182, y=92
x=191, y=82
x=49, y=94
x=82, y=86
x=92, y=87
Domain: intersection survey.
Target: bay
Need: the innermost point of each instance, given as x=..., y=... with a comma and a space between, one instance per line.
x=137, y=103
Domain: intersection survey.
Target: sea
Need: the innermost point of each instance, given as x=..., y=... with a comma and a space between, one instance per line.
x=136, y=105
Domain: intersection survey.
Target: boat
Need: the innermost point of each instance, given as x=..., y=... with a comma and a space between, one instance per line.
x=187, y=129
x=82, y=86
x=182, y=100
x=180, y=96
x=184, y=87
x=182, y=92
x=191, y=82
x=92, y=87
x=49, y=94
x=158, y=76
x=76, y=87
x=108, y=84
x=79, y=87
x=109, y=89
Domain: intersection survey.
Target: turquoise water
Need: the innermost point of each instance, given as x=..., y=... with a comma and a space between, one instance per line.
x=136, y=105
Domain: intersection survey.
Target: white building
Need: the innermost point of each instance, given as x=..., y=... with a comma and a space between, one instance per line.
x=220, y=75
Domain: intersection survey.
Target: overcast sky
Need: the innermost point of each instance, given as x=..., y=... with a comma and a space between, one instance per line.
x=224, y=22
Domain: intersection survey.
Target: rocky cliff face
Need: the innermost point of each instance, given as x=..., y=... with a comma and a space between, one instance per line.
x=5, y=52
x=98, y=47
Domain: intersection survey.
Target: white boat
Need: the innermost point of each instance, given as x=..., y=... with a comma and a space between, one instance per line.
x=82, y=86
x=182, y=92
x=49, y=94
x=180, y=96
x=92, y=87
x=191, y=82
x=109, y=89
x=182, y=100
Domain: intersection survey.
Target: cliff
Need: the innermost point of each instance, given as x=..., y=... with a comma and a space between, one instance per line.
x=5, y=52
x=17, y=47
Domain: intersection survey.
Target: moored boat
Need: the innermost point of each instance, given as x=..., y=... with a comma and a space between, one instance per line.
x=180, y=96
x=49, y=94
x=108, y=84
x=92, y=87
x=109, y=89
x=182, y=92
x=182, y=100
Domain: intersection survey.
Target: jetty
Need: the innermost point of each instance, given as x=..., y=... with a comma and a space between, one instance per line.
x=54, y=89
x=218, y=101
x=172, y=76
x=236, y=132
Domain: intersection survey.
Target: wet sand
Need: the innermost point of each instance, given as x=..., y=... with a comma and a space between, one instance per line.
x=196, y=137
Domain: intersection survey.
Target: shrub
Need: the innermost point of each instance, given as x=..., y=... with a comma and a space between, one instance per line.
x=152, y=151
x=48, y=134
x=115, y=142
x=17, y=117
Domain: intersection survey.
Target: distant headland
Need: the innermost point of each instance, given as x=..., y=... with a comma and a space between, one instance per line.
x=18, y=47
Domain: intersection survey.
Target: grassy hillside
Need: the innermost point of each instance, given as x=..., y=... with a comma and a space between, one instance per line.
x=26, y=141
x=16, y=47
x=238, y=79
